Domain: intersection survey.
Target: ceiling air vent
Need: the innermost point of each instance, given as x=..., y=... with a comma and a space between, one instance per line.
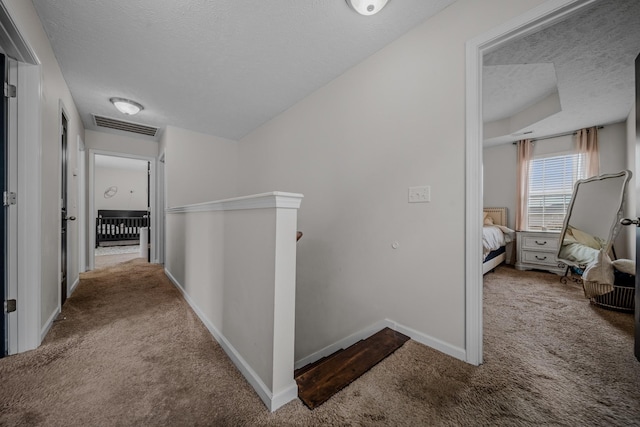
x=107, y=122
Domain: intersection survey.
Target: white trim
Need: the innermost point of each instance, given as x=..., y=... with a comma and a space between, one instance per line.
x=275, y=199
x=29, y=206
x=457, y=352
x=11, y=226
x=82, y=206
x=272, y=402
x=417, y=336
x=160, y=208
x=154, y=238
x=47, y=326
x=74, y=285
x=544, y=15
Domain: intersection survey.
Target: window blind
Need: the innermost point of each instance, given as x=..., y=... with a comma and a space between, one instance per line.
x=551, y=181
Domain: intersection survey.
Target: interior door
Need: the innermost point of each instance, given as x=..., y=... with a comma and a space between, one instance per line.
x=4, y=342
x=636, y=221
x=637, y=295
x=148, y=251
x=63, y=207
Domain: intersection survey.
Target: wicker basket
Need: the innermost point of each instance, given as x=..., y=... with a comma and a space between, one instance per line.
x=620, y=298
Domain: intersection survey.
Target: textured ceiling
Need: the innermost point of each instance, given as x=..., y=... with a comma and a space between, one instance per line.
x=593, y=55
x=220, y=67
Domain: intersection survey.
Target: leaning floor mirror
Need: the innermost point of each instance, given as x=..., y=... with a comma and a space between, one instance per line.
x=593, y=219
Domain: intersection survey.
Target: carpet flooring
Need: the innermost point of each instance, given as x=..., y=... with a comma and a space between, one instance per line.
x=130, y=352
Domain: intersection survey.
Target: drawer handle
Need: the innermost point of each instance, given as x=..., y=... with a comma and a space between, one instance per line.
x=541, y=244
x=541, y=258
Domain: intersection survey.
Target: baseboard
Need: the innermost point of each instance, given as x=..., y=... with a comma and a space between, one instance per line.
x=435, y=343
x=73, y=286
x=272, y=401
x=47, y=326
x=446, y=348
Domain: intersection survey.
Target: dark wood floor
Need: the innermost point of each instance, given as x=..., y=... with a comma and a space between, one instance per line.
x=319, y=381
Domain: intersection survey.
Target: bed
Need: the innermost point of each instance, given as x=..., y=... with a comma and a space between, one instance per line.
x=495, y=236
x=120, y=226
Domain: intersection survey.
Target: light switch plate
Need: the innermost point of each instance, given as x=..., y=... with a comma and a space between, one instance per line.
x=421, y=194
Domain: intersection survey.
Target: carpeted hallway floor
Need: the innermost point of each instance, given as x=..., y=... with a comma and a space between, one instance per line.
x=130, y=352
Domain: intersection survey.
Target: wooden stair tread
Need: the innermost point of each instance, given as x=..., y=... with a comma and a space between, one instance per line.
x=321, y=381
x=298, y=372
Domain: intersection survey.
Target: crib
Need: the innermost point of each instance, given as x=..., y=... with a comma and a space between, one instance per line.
x=120, y=226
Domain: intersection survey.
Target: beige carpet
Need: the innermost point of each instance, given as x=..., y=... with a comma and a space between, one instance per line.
x=130, y=352
x=103, y=261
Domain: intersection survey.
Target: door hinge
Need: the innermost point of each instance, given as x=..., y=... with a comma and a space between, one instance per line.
x=10, y=305
x=9, y=198
x=9, y=90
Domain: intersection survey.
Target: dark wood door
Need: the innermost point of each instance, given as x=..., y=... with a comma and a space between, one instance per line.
x=63, y=214
x=636, y=221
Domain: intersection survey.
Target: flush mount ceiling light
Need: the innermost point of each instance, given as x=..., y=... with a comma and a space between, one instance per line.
x=367, y=7
x=126, y=106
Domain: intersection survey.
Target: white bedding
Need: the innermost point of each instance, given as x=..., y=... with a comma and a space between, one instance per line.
x=494, y=237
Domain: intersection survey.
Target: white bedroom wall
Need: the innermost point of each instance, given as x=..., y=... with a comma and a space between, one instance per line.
x=54, y=91
x=131, y=184
x=499, y=167
x=353, y=148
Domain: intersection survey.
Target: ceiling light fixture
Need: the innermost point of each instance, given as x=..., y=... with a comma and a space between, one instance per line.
x=126, y=106
x=367, y=7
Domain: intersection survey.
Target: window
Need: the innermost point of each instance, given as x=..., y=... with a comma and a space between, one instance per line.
x=551, y=181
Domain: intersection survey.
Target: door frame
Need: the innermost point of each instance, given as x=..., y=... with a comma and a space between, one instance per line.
x=28, y=168
x=544, y=15
x=154, y=237
x=82, y=205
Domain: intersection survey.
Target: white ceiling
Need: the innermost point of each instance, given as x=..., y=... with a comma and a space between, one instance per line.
x=588, y=59
x=220, y=67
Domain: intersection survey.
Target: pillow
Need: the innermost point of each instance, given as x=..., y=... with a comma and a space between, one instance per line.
x=625, y=265
x=600, y=270
x=488, y=221
x=586, y=239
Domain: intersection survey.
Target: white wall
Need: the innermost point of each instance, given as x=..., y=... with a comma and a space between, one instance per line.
x=120, y=144
x=353, y=148
x=198, y=167
x=131, y=184
x=499, y=166
x=235, y=263
x=54, y=94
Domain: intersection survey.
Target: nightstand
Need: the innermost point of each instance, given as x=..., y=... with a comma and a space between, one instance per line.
x=537, y=250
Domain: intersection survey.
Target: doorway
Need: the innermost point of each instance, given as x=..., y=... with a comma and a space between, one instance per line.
x=545, y=15
x=121, y=209
x=64, y=160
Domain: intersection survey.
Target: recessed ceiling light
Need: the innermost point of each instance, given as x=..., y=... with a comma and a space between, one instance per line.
x=126, y=106
x=367, y=7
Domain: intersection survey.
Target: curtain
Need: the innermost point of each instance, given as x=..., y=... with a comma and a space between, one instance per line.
x=588, y=147
x=525, y=156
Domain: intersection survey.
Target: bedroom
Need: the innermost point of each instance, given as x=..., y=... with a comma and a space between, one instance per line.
x=121, y=200
x=564, y=81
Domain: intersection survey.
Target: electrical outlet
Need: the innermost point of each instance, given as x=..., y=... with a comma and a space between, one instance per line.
x=421, y=194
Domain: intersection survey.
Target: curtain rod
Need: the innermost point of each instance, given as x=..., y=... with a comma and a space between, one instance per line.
x=555, y=136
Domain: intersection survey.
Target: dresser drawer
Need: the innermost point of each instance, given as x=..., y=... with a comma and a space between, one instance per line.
x=538, y=257
x=537, y=243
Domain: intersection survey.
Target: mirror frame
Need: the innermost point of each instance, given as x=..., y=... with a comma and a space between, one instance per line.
x=615, y=227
